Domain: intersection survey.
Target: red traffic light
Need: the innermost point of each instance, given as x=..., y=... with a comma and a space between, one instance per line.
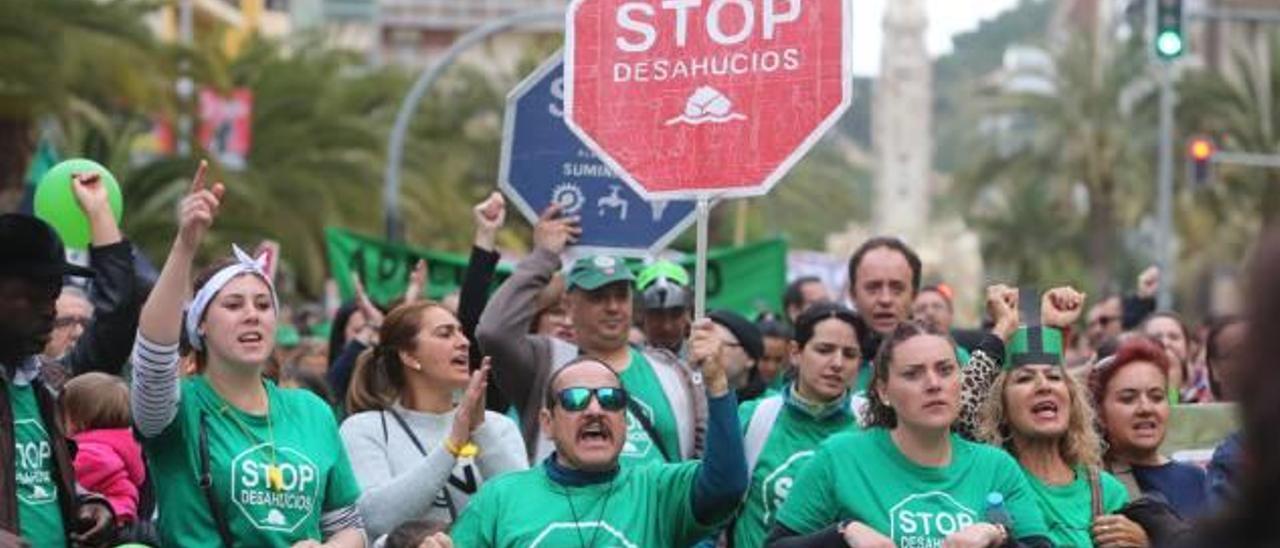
x=1201, y=149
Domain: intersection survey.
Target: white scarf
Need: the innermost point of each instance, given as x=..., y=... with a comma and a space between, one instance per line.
x=244, y=265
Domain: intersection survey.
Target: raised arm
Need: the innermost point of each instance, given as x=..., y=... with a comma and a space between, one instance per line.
x=155, y=354
x=489, y=217
x=985, y=361
x=722, y=479
x=1136, y=307
x=109, y=336
x=504, y=324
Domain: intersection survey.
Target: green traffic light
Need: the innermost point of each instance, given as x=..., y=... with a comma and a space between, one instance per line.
x=1169, y=43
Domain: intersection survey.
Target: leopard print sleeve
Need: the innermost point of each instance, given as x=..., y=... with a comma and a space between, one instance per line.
x=985, y=362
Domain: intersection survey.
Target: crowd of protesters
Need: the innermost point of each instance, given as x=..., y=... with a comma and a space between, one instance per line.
x=583, y=405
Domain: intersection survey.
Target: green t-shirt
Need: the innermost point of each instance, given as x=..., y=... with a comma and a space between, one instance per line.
x=643, y=506
x=1068, y=509
x=316, y=475
x=790, y=445
x=864, y=477
x=643, y=387
x=37, y=486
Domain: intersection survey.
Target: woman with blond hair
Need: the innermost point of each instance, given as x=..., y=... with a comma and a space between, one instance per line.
x=1043, y=416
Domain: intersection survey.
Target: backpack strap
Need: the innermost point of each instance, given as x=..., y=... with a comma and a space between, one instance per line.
x=636, y=411
x=1095, y=493
x=759, y=427
x=206, y=485
x=448, y=497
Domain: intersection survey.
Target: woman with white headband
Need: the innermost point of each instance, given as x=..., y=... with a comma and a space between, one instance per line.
x=239, y=462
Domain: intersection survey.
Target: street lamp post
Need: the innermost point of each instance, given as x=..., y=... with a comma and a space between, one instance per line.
x=395, y=143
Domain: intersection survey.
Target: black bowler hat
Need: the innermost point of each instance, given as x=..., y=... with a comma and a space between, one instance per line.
x=29, y=248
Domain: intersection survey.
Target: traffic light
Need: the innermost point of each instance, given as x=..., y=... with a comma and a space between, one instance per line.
x=1170, y=40
x=1200, y=155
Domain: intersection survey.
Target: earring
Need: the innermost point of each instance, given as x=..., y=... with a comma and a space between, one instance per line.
x=414, y=365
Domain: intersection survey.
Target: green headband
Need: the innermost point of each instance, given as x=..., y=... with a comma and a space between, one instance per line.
x=1034, y=346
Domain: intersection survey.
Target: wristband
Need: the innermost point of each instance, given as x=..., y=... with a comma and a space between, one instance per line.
x=465, y=451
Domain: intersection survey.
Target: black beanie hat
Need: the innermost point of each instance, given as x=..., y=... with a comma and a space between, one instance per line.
x=747, y=333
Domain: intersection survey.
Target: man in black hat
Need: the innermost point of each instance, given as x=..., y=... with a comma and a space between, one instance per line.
x=744, y=346
x=38, y=496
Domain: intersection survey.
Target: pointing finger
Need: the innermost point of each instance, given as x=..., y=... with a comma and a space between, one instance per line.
x=197, y=182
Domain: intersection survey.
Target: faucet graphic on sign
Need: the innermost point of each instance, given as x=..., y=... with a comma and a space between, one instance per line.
x=613, y=201
x=707, y=105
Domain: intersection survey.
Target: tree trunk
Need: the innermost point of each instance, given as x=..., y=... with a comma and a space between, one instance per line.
x=1101, y=234
x=16, y=147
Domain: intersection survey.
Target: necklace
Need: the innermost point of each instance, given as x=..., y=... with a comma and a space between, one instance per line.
x=576, y=520
x=275, y=477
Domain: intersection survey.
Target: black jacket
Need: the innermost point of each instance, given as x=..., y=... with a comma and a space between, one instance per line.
x=117, y=298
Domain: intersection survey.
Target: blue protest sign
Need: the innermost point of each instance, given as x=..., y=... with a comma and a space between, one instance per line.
x=544, y=162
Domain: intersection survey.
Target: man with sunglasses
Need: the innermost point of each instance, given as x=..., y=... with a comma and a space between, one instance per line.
x=666, y=413
x=582, y=497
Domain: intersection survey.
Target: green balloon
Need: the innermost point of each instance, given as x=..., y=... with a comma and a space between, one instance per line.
x=56, y=204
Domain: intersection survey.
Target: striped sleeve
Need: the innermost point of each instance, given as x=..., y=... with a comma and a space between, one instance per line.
x=336, y=521
x=154, y=399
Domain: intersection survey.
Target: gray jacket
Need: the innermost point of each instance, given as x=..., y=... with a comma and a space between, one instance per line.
x=523, y=362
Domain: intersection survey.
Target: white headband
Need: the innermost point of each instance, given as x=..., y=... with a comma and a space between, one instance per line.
x=244, y=265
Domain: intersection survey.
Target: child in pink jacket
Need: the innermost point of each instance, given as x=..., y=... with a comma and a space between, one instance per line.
x=108, y=460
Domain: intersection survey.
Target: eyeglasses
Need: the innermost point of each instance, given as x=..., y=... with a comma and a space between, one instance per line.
x=578, y=398
x=68, y=321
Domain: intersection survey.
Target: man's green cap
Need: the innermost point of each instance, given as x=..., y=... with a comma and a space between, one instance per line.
x=1036, y=345
x=672, y=272
x=591, y=273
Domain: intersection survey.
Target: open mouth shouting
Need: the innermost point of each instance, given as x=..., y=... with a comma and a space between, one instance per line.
x=461, y=360
x=1045, y=410
x=252, y=339
x=1146, y=428
x=595, y=433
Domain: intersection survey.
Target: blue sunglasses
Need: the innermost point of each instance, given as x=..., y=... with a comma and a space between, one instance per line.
x=578, y=398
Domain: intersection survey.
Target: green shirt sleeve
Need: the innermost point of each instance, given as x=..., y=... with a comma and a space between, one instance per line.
x=1114, y=494
x=1020, y=501
x=812, y=504
x=674, y=485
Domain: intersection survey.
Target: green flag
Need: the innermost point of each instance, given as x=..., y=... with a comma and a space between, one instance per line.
x=384, y=267
x=745, y=279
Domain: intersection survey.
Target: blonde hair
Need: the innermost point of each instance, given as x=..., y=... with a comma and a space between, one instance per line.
x=95, y=401
x=1081, y=446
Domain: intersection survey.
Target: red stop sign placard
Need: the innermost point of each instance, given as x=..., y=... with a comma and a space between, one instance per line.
x=686, y=98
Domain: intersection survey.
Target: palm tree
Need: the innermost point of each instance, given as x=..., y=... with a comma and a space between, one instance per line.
x=1085, y=137
x=73, y=60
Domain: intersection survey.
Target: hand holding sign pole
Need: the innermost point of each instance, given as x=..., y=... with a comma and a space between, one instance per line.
x=705, y=99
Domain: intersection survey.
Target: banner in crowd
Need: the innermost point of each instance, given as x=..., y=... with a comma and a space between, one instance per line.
x=746, y=279
x=384, y=266
x=1196, y=429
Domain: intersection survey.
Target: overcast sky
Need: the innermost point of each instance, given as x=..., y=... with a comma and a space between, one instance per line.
x=946, y=18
